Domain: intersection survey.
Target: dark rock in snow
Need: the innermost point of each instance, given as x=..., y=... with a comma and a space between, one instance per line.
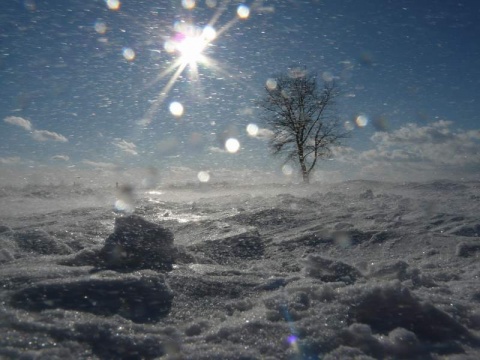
x=5, y=229
x=228, y=250
x=141, y=297
x=329, y=270
x=138, y=244
x=5, y=256
x=467, y=249
x=467, y=230
x=367, y=195
x=40, y=242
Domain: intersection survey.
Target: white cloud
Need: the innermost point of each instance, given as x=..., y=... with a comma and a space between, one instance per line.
x=435, y=150
x=100, y=165
x=437, y=132
x=215, y=149
x=38, y=135
x=265, y=9
x=344, y=154
x=45, y=135
x=19, y=121
x=264, y=134
x=61, y=157
x=125, y=146
x=10, y=160
x=435, y=143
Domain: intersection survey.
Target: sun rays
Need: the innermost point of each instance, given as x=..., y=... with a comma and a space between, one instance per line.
x=190, y=46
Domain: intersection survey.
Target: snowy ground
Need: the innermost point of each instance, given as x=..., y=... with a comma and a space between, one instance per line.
x=355, y=270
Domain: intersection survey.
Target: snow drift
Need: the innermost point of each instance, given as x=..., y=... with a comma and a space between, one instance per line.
x=355, y=270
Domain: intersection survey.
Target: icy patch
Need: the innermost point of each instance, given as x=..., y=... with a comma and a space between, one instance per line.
x=154, y=192
x=181, y=218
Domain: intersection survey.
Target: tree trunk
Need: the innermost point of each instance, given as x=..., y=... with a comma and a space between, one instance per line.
x=306, y=177
x=305, y=173
x=303, y=166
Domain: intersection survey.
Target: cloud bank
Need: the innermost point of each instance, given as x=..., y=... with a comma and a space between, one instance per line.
x=434, y=150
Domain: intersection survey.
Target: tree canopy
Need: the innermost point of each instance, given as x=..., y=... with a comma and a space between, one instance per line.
x=303, y=119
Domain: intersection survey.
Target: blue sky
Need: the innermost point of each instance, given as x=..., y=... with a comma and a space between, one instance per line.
x=81, y=86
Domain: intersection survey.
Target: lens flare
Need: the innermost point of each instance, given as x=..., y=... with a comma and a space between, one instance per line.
x=292, y=339
x=243, y=11
x=327, y=76
x=287, y=170
x=176, y=109
x=361, y=120
x=203, y=176
x=124, y=206
x=169, y=46
x=209, y=33
x=30, y=5
x=232, y=145
x=113, y=4
x=128, y=54
x=349, y=125
x=188, y=4
x=211, y=3
x=271, y=84
x=100, y=27
x=252, y=130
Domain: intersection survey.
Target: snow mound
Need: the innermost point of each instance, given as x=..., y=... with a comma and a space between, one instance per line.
x=140, y=297
x=231, y=249
x=388, y=306
x=329, y=270
x=14, y=244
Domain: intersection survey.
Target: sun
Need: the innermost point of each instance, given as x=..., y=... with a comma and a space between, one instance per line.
x=190, y=43
x=189, y=46
x=191, y=50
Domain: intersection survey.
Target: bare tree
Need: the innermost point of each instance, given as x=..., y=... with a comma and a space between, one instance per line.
x=302, y=118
